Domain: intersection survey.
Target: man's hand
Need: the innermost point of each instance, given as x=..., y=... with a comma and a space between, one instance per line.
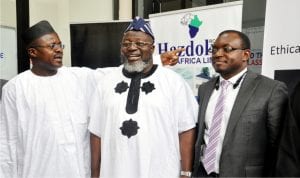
x=171, y=57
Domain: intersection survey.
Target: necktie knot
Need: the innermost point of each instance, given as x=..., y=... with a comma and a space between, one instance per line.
x=225, y=84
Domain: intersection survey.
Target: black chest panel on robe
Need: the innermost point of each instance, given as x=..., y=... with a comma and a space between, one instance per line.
x=134, y=89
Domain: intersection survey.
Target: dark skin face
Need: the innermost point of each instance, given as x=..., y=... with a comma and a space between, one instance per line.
x=231, y=63
x=45, y=60
x=133, y=53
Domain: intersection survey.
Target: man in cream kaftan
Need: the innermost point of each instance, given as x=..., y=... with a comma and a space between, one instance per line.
x=47, y=119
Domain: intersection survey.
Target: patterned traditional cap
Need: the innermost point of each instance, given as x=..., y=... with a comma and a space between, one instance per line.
x=139, y=24
x=40, y=29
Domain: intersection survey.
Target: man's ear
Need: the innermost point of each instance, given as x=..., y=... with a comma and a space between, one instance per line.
x=152, y=49
x=247, y=54
x=31, y=52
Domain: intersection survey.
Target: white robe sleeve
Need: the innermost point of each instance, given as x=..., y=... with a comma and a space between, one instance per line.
x=186, y=107
x=105, y=70
x=95, y=112
x=8, y=133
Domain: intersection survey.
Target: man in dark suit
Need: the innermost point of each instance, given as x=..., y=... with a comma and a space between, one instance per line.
x=288, y=164
x=240, y=124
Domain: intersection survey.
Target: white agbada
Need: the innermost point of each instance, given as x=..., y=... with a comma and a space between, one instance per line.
x=162, y=114
x=44, y=125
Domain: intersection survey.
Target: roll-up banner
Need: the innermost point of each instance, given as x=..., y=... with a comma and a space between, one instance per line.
x=281, y=38
x=195, y=29
x=8, y=53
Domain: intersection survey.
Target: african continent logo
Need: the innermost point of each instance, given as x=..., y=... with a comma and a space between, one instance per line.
x=193, y=22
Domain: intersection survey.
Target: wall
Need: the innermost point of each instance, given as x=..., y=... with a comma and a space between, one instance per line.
x=90, y=10
x=8, y=13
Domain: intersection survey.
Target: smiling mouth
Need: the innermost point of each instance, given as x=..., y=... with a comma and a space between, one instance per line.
x=58, y=58
x=133, y=57
x=219, y=62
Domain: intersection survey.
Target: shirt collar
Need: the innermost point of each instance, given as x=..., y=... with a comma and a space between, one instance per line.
x=234, y=79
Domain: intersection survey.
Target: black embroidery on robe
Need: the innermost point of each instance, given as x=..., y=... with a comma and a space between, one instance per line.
x=133, y=94
x=134, y=89
x=148, y=87
x=129, y=128
x=121, y=87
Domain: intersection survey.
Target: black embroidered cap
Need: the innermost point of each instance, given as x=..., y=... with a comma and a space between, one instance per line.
x=36, y=31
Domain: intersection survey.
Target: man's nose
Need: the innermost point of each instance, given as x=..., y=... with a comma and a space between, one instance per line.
x=132, y=46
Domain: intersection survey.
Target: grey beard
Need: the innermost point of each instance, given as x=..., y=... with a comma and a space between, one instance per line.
x=137, y=66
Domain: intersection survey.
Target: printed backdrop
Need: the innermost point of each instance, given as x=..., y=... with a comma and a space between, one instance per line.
x=194, y=29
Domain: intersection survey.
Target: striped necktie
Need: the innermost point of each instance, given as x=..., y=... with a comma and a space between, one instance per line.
x=209, y=158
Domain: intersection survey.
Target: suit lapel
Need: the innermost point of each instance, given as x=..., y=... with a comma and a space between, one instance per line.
x=207, y=93
x=204, y=96
x=247, y=88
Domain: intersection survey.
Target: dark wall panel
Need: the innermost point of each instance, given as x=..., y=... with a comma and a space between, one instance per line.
x=96, y=44
x=22, y=9
x=289, y=77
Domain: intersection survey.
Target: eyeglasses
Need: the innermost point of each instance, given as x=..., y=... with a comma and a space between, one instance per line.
x=226, y=49
x=51, y=46
x=138, y=44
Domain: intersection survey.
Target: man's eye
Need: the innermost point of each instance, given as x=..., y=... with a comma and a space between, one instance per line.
x=227, y=49
x=52, y=46
x=214, y=49
x=126, y=44
x=141, y=44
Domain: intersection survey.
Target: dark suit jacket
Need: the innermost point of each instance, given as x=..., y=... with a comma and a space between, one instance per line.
x=252, y=135
x=288, y=164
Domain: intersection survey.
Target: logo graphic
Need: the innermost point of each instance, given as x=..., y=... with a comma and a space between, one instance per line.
x=193, y=22
x=205, y=73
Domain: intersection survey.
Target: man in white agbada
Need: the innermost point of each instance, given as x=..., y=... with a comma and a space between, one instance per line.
x=44, y=114
x=143, y=116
